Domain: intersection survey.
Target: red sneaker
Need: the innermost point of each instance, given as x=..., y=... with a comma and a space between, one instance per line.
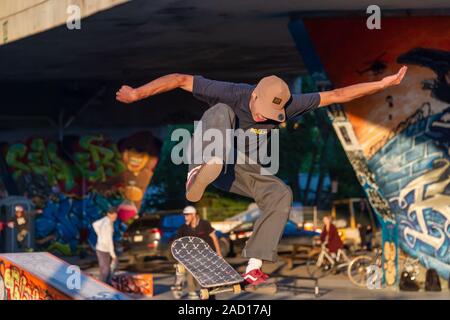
x=200, y=177
x=255, y=277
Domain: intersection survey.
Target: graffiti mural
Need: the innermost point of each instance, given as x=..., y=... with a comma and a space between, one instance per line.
x=421, y=194
x=73, y=183
x=404, y=132
x=140, y=154
x=95, y=161
x=16, y=284
x=141, y=284
x=65, y=224
x=82, y=164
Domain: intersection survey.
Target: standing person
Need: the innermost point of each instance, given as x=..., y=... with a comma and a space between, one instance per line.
x=362, y=235
x=196, y=227
x=20, y=222
x=330, y=236
x=256, y=109
x=369, y=237
x=106, y=255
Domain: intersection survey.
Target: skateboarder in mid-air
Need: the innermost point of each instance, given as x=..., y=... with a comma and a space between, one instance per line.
x=195, y=227
x=256, y=109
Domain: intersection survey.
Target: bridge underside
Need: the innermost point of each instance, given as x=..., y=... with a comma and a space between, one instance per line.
x=57, y=74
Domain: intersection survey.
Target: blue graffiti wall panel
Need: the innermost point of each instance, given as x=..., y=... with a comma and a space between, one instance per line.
x=413, y=170
x=69, y=220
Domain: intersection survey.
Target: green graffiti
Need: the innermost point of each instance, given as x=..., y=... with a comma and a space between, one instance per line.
x=97, y=161
x=62, y=170
x=38, y=160
x=13, y=158
x=115, y=167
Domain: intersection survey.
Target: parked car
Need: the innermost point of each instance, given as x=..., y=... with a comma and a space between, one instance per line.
x=292, y=234
x=150, y=237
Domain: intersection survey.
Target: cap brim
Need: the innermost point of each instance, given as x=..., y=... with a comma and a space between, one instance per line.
x=269, y=112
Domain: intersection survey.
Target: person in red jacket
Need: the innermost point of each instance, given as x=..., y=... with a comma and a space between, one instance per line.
x=330, y=236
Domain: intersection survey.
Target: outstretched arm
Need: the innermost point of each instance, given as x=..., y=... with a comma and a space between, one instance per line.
x=349, y=93
x=127, y=94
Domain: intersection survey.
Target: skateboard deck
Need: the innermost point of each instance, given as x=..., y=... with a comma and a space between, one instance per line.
x=212, y=272
x=203, y=263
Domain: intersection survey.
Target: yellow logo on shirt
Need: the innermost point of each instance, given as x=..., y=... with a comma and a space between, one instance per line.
x=258, y=131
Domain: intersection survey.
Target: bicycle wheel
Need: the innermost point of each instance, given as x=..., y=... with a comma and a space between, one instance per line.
x=318, y=268
x=357, y=270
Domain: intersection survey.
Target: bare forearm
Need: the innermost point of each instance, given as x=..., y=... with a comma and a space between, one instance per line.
x=127, y=94
x=357, y=91
x=160, y=85
x=350, y=93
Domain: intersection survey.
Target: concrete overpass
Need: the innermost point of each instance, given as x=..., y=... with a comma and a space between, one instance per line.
x=53, y=72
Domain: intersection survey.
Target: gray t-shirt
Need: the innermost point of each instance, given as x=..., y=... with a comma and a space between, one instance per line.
x=237, y=96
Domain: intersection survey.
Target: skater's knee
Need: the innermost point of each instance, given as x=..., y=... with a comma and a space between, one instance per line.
x=283, y=194
x=280, y=194
x=219, y=108
x=287, y=197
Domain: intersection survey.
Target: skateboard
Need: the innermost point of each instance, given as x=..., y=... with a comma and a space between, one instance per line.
x=212, y=272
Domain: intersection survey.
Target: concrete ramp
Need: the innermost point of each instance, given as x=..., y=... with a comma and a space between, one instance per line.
x=42, y=276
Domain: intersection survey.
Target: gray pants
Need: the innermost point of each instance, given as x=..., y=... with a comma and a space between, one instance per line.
x=272, y=195
x=104, y=264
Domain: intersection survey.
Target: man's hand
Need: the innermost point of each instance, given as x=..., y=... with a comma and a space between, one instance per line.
x=395, y=79
x=11, y=225
x=127, y=94
x=169, y=82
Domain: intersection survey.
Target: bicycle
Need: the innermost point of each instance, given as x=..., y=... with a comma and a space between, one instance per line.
x=320, y=264
x=359, y=270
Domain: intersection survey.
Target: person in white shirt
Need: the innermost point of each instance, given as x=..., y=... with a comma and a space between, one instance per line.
x=106, y=255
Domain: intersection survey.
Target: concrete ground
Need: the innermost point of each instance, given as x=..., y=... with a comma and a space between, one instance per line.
x=332, y=287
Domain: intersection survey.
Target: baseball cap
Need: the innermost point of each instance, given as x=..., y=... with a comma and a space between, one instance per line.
x=272, y=94
x=189, y=210
x=19, y=208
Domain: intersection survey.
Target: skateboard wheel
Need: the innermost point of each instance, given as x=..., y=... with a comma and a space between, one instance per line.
x=177, y=294
x=181, y=269
x=237, y=288
x=204, y=294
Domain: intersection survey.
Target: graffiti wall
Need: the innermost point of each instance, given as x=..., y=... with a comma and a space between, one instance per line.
x=65, y=224
x=139, y=284
x=73, y=183
x=404, y=131
x=17, y=284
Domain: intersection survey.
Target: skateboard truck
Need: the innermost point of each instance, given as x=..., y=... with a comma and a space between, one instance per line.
x=205, y=293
